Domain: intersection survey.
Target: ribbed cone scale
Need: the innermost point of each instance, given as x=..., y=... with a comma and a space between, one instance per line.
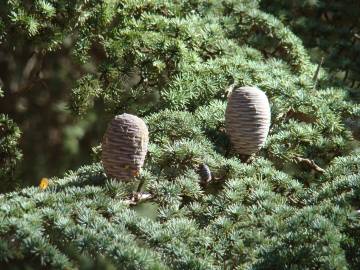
x=124, y=147
x=247, y=119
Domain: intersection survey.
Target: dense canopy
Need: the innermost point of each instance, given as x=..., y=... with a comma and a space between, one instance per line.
x=293, y=205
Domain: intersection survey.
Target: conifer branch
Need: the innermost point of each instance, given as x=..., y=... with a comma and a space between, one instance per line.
x=316, y=75
x=310, y=163
x=139, y=197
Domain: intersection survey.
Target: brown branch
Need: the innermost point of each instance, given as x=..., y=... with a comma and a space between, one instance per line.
x=138, y=197
x=275, y=50
x=309, y=163
x=346, y=75
x=296, y=201
x=316, y=75
x=230, y=89
x=31, y=72
x=353, y=84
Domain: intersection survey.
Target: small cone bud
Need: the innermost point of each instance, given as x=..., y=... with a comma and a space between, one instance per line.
x=124, y=147
x=247, y=119
x=205, y=173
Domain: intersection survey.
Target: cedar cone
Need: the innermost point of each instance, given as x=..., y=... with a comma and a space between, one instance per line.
x=124, y=147
x=247, y=119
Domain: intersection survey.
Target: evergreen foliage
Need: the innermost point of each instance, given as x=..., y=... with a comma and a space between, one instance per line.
x=292, y=206
x=9, y=153
x=330, y=29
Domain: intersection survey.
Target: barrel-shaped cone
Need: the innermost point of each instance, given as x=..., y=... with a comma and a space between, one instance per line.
x=247, y=119
x=124, y=147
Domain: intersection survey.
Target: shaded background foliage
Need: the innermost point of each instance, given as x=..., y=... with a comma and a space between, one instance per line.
x=37, y=72
x=328, y=29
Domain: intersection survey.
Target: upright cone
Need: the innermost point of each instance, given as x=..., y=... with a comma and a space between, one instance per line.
x=124, y=147
x=247, y=119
